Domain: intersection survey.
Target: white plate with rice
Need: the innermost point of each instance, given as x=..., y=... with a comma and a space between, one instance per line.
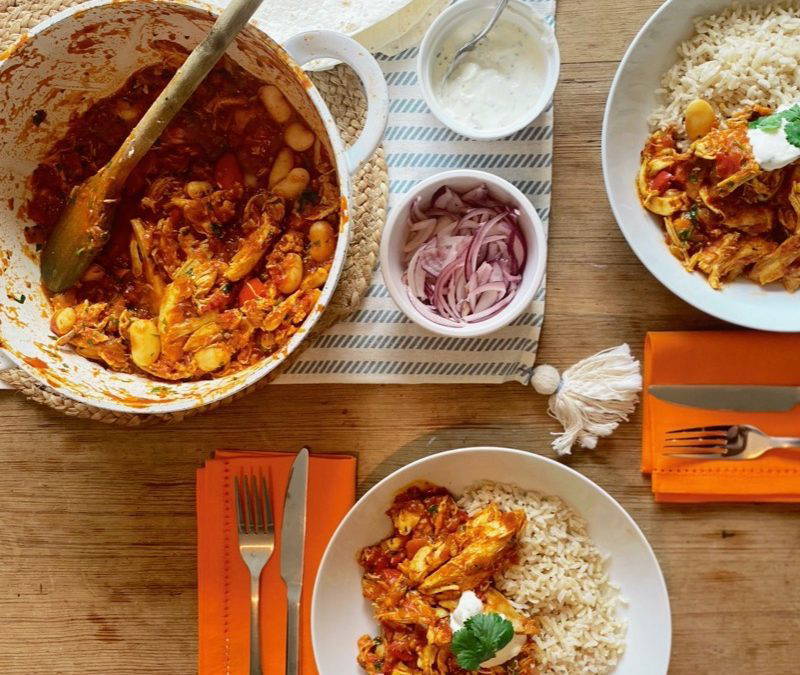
x=592, y=578
x=732, y=56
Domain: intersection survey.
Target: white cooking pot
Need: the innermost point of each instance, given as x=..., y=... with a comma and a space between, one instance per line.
x=85, y=53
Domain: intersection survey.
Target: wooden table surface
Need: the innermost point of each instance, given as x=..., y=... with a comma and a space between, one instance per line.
x=97, y=527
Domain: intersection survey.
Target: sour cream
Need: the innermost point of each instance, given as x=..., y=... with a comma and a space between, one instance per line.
x=470, y=605
x=495, y=85
x=770, y=148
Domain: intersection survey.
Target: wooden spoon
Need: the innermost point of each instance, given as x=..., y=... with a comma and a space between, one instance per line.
x=85, y=224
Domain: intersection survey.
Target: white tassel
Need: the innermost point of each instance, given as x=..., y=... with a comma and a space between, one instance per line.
x=592, y=397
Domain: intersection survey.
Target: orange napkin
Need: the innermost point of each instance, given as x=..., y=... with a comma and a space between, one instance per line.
x=223, y=580
x=730, y=357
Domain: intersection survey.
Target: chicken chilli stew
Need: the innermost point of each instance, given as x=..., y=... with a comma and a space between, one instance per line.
x=431, y=584
x=727, y=211
x=223, y=238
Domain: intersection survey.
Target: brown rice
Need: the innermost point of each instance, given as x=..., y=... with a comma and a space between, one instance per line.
x=744, y=56
x=561, y=579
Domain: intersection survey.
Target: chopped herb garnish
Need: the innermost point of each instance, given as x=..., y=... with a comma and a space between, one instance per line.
x=482, y=636
x=686, y=235
x=433, y=508
x=227, y=287
x=772, y=124
x=691, y=214
x=20, y=299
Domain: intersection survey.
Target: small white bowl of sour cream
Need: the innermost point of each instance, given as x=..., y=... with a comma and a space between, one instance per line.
x=500, y=87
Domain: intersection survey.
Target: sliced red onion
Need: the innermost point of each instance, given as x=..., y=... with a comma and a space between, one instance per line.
x=465, y=256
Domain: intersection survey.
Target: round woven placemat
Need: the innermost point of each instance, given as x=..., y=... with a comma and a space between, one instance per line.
x=342, y=92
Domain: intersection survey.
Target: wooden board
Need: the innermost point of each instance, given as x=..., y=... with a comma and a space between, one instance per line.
x=97, y=530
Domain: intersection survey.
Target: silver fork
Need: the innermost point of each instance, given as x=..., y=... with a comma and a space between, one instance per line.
x=256, y=544
x=730, y=442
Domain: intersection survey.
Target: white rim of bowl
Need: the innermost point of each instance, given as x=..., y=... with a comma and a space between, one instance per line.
x=426, y=53
x=661, y=590
x=396, y=287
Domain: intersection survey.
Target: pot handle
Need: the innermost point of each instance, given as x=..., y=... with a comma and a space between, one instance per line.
x=315, y=44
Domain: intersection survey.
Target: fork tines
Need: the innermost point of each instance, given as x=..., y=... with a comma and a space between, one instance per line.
x=698, y=439
x=253, y=507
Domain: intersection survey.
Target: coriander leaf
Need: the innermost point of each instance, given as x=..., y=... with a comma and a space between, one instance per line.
x=468, y=651
x=772, y=123
x=492, y=629
x=793, y=133
x=482, y=636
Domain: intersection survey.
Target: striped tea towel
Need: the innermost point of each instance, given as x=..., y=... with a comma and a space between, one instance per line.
x=378, y=344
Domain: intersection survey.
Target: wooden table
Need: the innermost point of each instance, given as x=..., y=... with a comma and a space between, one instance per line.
x=97, y=528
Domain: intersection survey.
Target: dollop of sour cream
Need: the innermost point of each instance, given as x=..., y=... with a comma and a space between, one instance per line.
x=470, y=605
x=497, y=83
x=770, y=148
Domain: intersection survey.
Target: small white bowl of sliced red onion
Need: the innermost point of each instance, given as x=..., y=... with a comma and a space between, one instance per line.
x=464, y=253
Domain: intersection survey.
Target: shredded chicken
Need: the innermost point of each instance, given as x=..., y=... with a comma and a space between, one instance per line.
x=722, y=214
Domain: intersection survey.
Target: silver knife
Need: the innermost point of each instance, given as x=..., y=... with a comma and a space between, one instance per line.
x=740, y=398
x=293, y=539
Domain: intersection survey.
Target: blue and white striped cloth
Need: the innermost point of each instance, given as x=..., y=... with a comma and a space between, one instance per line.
x=378, y=344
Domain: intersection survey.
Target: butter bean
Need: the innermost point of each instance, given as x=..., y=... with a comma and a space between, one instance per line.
x=64, y=321
x=298, y=137
x=283, y=164
x=275, y=103
x=699, y=119
x=292, y=273
x=293, y=185
x=145, y=342
x=322, y=241
x=212, y=358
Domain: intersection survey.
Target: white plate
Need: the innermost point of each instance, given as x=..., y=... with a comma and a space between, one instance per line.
x=340, y=615
x=631, y=101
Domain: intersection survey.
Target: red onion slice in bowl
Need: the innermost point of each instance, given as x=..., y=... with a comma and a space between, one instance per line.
x=465, y=254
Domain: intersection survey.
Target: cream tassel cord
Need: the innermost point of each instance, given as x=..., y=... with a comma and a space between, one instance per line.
x=592, y=397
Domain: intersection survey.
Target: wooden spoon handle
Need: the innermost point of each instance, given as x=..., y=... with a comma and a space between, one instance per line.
x=181, y=86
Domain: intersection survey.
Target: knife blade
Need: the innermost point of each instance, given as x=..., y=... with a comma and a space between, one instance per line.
x=293, y=537
x=738, y=398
